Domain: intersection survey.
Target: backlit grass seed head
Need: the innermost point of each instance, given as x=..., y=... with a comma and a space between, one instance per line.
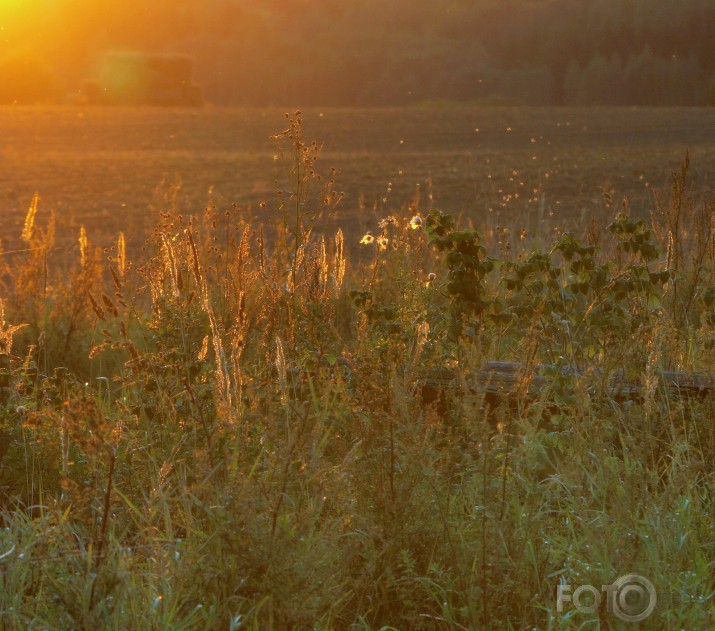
x=82, y=246
x=416, y=222
x=29, y=226
x=121, y=255
x=203, y=353
x=382, y=242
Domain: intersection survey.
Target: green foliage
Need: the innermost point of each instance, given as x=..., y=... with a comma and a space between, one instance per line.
x=468, y=265
x=634, y=238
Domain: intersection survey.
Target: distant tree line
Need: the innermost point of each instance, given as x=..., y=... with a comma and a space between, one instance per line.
x=372, y=52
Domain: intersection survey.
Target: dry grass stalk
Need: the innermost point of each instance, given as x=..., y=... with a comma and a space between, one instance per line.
x=339, y=270
x=282, y=371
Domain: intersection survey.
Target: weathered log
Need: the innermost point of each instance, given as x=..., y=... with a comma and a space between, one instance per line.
x=5, y=378
x=513, y=378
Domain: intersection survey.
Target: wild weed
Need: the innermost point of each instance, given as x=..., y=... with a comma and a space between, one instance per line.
x=273, y=438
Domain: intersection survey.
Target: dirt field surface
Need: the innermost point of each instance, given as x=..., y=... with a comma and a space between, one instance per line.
x=111, y=169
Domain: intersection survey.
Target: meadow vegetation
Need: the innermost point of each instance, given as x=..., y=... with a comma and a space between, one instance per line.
x=242, y=429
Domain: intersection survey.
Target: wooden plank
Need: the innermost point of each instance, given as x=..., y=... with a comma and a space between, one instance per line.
x=512, y=378
x=5, y=378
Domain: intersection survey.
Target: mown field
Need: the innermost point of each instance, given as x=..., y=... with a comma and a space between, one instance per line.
x=247, y=425
x=497, y=166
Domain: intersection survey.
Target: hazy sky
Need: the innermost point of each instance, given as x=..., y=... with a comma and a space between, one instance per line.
x=375, y=51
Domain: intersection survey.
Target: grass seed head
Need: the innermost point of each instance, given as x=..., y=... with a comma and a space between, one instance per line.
x=29, y=225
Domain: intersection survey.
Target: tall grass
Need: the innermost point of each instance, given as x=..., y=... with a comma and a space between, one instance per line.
x=244, y=431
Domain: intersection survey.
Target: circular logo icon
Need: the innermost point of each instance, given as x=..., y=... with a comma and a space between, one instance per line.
x=634, y=598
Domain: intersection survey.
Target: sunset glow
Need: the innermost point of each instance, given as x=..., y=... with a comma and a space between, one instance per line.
x=357, y=314
x=341, y=52
x=22, y=14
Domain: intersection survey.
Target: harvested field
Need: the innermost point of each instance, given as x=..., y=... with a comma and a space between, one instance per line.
x=523, y=167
